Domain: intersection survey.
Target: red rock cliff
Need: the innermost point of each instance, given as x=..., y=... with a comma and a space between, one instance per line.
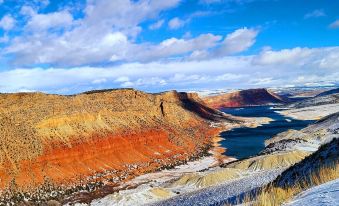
x=99, y=136
x=250, y=97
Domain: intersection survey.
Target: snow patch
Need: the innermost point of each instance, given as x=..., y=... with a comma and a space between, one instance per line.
x=325, y=195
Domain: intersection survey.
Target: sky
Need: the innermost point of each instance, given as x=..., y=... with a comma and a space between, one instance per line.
x=70, y=46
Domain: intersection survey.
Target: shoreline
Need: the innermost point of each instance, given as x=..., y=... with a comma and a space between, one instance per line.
x=210, y=159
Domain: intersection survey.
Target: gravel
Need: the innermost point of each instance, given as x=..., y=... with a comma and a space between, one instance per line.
x=223, y=193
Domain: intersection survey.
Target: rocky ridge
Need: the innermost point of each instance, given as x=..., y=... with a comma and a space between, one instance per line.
x=250, y=97
x=53, y=145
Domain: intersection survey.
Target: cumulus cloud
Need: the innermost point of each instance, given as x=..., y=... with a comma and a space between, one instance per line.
x=319, y=66
x=7, y=22
x=41, y=22
x=157, y=24
x=173, y=46
x=238, y=41
x=285, y=56
x=107, y=34
x=320, y=58
x=176, y=23
x=104, y=34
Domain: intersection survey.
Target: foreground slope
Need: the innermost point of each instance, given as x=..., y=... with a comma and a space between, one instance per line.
x=82, y=142
x=250, y=97
x=326, y=194
x=320, y=168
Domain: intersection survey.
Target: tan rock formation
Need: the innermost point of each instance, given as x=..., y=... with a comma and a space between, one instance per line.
x=270, y=161
x=99, y=136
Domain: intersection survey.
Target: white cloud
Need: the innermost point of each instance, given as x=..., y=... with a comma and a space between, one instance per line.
x=7, y=22
x=321, y=58
x=41, y=22
x=44, y=2
x=319, y=66
x=335, y=24
x=27, y=10
x=285, y=56
x=99, y=81
x=173, y=47
x=238, y=41
x=315, y=13
x=124, y=14
x=176, y=23
x=105, y=33
x=157, y=24
x=122, y=79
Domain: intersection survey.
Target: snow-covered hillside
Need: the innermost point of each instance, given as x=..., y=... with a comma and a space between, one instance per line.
x=322, y=195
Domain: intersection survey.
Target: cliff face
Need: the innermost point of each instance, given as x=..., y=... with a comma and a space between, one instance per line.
x=97, y=137
x=250, y=97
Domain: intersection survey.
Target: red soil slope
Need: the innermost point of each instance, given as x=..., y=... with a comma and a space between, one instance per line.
x=250, y=97
x=69, y=143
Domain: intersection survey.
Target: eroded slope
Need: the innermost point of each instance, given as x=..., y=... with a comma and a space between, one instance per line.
x=250, y=97
x=97, y=138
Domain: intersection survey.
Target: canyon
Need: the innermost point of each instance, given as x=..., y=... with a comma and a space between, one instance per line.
x=126, y=147
x=53, y=146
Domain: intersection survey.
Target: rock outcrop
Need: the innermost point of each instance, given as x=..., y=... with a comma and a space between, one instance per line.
x=250, y=97
x=209, y=179
x=53, y=145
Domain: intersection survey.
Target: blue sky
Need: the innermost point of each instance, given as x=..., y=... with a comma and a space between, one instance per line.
x=60, y=46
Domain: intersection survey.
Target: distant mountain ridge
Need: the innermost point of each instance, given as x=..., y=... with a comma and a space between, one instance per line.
x=249, y=97
x=332, y=91
x=324, y=98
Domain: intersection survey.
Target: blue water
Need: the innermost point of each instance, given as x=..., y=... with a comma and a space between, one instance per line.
x=246, y=142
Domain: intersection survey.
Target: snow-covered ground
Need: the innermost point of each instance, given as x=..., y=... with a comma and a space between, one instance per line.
x=149, y=189
x=322, y=195
x=313, y=112
x=221, y=194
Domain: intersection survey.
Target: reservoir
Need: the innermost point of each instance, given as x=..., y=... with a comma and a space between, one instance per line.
x=245, y=142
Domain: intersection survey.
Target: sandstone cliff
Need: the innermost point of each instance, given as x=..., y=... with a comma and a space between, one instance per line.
x=69, y=143
x=250, y=97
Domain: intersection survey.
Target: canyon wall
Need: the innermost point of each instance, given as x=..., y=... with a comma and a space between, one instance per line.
x=243, y=98
x=97, y=138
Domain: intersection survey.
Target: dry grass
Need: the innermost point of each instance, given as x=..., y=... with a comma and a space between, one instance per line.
x=273, y=196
